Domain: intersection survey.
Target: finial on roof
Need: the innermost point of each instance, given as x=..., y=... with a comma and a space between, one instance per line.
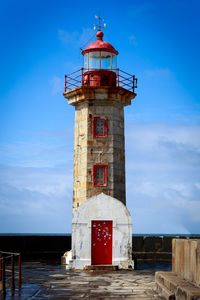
x=99, y=35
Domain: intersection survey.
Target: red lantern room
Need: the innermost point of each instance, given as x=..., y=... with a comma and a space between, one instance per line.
x=100, y=68
x=100, y=63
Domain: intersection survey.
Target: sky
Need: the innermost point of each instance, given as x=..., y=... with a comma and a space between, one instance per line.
x=158, y=41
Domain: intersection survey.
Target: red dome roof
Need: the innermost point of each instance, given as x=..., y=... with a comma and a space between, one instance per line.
x=100, y=45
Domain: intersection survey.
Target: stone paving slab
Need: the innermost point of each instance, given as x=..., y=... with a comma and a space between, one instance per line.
x=53, y=281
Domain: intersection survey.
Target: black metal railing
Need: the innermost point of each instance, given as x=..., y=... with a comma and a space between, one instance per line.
x=8, y=274
x=123, y=79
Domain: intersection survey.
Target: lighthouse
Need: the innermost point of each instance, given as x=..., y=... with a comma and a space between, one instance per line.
x=101, y=222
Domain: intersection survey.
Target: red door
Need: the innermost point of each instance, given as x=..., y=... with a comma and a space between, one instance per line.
x=101, y=243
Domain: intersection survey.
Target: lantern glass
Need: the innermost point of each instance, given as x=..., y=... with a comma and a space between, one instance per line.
x=100, y=60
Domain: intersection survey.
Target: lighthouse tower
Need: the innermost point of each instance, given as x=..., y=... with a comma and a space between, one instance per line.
x=101, y=223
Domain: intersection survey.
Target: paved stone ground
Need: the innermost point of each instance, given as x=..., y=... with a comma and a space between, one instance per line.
x=53, y=281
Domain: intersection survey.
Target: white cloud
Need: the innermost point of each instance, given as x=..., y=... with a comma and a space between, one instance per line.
x=133, y=40
x=56, y=84
x=40, y=149
x=36, y=186
x=141, y=9
x=163, y=178
x=75, y=38
x=158, y=72
x=87, y=36
x=67, y=38
x=40, y=198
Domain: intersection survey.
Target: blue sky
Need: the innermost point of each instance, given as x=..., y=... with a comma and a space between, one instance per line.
x=158, y=41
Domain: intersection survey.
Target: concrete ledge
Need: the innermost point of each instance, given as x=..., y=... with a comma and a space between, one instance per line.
x=170, y=286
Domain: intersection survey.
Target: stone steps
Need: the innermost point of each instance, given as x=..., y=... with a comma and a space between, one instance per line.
x=172, y=287
x=101, y=268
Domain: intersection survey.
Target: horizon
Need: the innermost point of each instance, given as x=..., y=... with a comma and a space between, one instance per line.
x=134, y=234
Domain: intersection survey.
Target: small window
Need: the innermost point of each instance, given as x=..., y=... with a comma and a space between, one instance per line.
x=100, y=175
x=100, y=127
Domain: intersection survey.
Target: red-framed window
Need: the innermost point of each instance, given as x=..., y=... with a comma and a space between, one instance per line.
x=100, y=175
x=100, y=127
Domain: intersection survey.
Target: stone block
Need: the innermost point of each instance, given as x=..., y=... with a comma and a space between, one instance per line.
x=138, y=243
x=167, y=244
x=184, y=282
x=152, y=244
x=171, y=286
x=99, y=110
x=186, y=259
x=119, y=137
x=117, y=145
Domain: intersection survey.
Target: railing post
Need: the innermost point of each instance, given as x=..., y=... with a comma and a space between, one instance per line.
x=65, y=84
x=133, y=83
x=1, y=266
x=3, y=276
x=117, y=77
x=82, y=76
x=19, y=271
x=13, y=272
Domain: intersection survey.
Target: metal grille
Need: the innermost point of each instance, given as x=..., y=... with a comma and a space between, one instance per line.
x=99, y=126
x=100, y=175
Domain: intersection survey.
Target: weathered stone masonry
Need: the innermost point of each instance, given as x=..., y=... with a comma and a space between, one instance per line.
x=108, y=103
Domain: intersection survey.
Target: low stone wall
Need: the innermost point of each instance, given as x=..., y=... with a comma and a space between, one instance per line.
x=32, y=246
x=145, y=247
x=186, y=259
x=152, y=247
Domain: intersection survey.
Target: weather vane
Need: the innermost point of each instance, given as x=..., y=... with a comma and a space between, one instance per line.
x=100, y=24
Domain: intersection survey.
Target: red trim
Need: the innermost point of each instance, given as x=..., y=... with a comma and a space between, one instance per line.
x=105, y=125
x=100, y=45
x=104, y=167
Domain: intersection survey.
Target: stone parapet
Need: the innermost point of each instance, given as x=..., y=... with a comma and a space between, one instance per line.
x=89, y=93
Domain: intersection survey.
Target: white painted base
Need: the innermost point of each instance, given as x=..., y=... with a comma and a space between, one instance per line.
x=79, y=264
x=102, y=207
x=66, y=258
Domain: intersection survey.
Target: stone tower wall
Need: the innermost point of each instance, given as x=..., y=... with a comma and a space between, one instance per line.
x=90, y=150
x=80, y=154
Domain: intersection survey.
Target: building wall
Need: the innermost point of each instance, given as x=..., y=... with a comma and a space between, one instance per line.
x=101, y=207
x=90, y=150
